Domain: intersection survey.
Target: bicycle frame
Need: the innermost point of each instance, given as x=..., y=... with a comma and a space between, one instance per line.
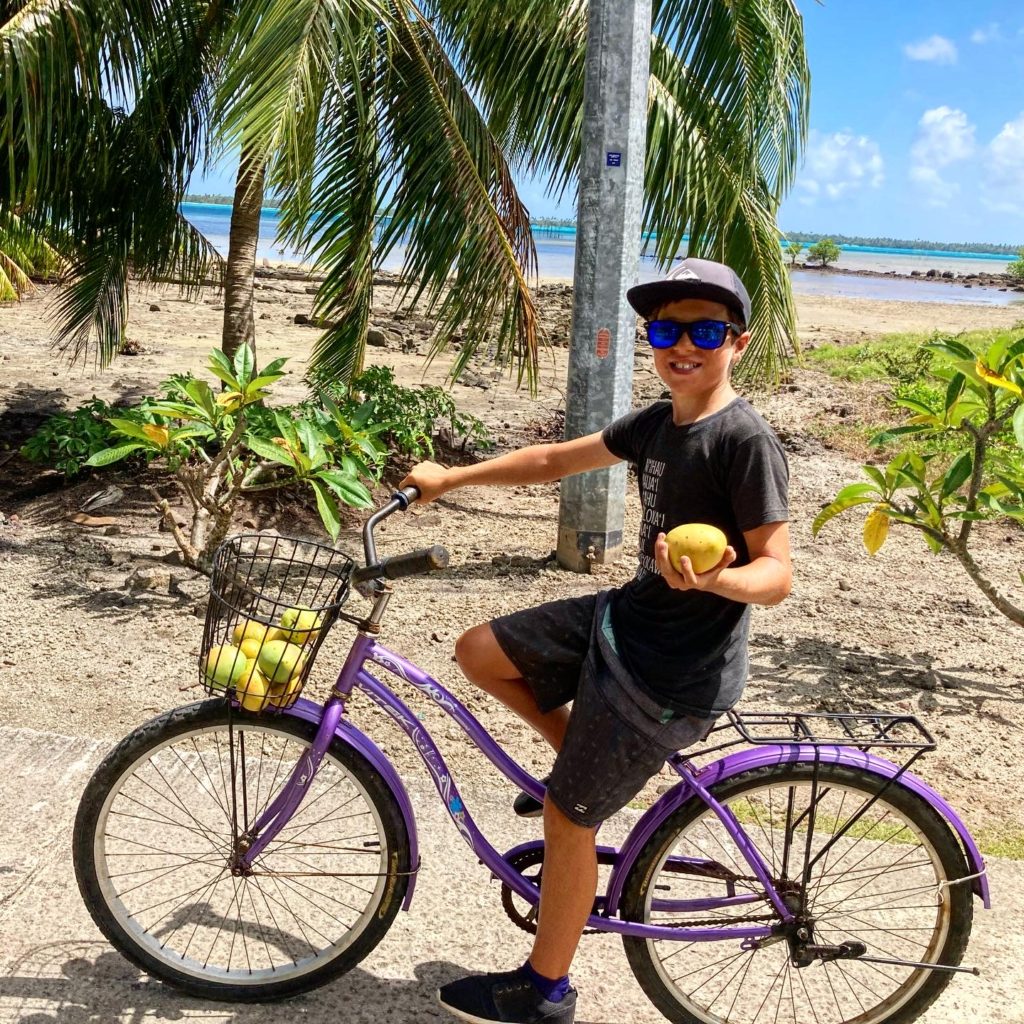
x=354, y=675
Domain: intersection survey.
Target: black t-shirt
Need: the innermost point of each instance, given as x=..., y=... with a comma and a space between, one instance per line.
x=687, y=649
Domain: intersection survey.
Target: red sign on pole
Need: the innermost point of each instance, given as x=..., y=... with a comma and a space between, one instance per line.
x=604, y=342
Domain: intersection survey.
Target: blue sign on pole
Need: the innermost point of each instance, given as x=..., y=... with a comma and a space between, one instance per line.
x=614, y=159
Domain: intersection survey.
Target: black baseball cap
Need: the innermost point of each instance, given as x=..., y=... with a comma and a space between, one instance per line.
x=692, y=279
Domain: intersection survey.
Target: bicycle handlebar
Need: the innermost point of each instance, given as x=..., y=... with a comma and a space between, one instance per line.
x=409, y=564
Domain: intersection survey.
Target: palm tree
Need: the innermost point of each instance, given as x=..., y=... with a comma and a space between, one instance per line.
x=356, y=114
x=727, y=118
x=349, y=108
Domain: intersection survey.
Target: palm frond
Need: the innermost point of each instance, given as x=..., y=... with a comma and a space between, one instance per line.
x=453, y=203
x=727, y=119
x=105, y=160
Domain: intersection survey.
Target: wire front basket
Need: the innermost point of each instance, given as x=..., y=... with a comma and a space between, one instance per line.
x=272, y=602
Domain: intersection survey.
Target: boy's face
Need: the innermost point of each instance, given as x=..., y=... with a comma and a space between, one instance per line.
x=686, y=369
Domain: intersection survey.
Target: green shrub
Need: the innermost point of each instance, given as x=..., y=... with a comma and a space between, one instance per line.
x=410, y=418
x=1016, y=268
x=824, y=252
x=68, y=440
x=971, y=406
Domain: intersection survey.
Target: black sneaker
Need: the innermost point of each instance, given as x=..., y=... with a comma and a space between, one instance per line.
x=507, y=998
x=527, y=806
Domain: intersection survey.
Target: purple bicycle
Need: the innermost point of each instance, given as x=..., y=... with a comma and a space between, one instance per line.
x=255, y=854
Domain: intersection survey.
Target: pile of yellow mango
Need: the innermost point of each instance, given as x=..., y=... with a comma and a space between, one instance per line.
x=263, y=664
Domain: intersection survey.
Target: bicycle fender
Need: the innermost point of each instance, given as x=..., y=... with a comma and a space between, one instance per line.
x=762, y=756
x=349, y=734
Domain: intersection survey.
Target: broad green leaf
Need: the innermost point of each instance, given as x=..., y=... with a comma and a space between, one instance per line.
x=995, y=379
x=1018, y=426
x=876, y=529
x=185, y=433
x=109, y=455
x=287, y=427
x=311, y=443
x=933, y=542
x=885, y=436
x=202, y=394
x=877, y=475
x=954, y=390
x=957, y=474
x=130, y=428
x=257, y=384
x=266, y=450
x=243, y=366
x=950, y=347
x=327, y=507
x=1013, y=354
x=916, y=406
x=173, y=410
x=220, y=366
x=852, y=494
x=994, y=353
x=274, y=367
x=349, y=489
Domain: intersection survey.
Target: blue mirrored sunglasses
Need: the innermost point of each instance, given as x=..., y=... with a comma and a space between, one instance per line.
x=705, y=334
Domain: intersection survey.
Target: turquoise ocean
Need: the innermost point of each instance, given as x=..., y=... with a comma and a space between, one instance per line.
x=556, y=248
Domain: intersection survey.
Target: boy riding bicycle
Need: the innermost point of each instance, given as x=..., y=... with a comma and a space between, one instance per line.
x=650, y=665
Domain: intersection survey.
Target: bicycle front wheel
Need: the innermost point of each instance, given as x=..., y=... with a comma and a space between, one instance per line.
x=157, y=829
x=866, y=872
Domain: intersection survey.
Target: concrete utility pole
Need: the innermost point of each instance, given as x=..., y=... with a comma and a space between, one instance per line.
x=608, y=225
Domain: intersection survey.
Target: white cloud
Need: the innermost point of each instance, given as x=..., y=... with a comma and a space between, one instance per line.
x=989, y=33
x=936, y=49
x=1003, y=187
x=838, y=164
x=944, y=136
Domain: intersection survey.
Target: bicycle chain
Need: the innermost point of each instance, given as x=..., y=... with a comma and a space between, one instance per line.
x=530, y=858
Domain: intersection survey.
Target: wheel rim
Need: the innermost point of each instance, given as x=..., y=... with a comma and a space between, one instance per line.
x=880, y=885
x=163, y=845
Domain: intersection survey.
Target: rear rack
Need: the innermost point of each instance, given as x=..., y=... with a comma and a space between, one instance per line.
x=819, y=729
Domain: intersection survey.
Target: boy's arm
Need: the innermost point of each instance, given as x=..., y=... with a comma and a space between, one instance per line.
x=538, y=463
x=766, y=579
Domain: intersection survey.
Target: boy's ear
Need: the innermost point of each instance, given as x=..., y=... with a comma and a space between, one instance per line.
x=738, y=345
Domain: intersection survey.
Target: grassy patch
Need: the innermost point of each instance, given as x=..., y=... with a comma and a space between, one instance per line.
x=1001, y=843
x=894, y=357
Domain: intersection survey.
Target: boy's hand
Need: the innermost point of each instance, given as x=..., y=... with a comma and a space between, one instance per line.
x=431, y=479
x=687, y=579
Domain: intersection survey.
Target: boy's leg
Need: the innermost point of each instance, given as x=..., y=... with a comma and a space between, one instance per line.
x=567, y=890
x=484, y=663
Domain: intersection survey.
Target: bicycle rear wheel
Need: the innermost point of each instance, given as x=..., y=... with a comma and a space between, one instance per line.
x=155, y=833
x=881, y=883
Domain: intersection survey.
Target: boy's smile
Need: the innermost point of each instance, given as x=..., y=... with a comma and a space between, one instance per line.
x=698, y=378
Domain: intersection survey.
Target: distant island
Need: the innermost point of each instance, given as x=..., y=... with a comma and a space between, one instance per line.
x=215, y=200
x=905, y=243
x=808, y=237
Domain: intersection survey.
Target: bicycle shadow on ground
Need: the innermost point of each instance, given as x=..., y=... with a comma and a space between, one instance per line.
x=88, y=983
x=809, y=674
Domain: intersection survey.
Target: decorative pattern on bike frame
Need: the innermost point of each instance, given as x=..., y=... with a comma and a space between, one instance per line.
x=430, y=755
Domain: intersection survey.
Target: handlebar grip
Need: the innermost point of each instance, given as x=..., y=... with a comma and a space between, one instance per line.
x=412, y=563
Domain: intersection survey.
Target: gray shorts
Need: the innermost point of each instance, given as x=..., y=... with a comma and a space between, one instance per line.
x=618, y=737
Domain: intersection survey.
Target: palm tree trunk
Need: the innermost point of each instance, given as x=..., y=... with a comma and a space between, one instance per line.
x=239, y=323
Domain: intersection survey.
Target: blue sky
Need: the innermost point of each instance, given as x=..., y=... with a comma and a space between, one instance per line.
x=917, y=123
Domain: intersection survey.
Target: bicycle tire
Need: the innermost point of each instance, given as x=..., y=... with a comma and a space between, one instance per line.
x=727, y=985
x=164, y=790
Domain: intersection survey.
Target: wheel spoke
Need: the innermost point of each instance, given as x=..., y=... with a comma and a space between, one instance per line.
x=873, y=882
x=164, y=855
